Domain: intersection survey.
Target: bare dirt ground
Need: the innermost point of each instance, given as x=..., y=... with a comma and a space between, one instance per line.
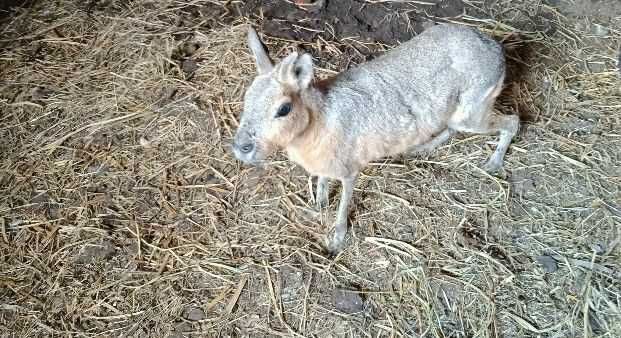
x=123, y=213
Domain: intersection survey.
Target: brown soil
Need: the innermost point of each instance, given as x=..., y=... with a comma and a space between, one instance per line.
x=358, y=28
x=388, y=22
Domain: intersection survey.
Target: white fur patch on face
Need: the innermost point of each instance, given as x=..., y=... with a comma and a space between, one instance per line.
x=261, y=102
x=265, y=96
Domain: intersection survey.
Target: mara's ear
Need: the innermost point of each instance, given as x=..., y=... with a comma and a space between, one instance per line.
x=261, y=58
x=296, y=71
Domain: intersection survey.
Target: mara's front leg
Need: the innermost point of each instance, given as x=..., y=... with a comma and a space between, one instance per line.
x=340, y=225
x=321, y=196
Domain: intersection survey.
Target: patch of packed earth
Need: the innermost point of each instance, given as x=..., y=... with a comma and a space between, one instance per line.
x=346, y=21
x=389, y=22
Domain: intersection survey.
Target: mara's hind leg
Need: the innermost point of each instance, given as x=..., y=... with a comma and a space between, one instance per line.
x=507, y=126
x=475, y=116
x=435, y=142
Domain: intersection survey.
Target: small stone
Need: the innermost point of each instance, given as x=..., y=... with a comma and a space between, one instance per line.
x=183, y=326
x=189, y=48
x=194, y=313
x=91, y=253
x=39, y=197
x=250, y=325
x=548, y=263
x=594, y=322
x=97, y=169
x=546, y=84
x=347, y=301
x=189, y=66
x=521, y=183
x=428, y=24
x=292, y=284
x=145, y=143
x=600, y=30
x=40, y=93
x=598, y=248
x=597, y=67
x=176, y=334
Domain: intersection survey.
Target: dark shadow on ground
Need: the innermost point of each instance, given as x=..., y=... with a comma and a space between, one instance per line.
x=7, y=6
x=519, y=55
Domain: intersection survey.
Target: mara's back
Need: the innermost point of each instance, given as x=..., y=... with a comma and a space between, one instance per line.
x=407, y=94
x=458, y=51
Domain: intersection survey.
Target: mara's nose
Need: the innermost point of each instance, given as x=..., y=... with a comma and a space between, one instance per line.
x=244, y=148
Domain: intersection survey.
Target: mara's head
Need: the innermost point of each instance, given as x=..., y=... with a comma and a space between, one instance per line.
x=274, y=110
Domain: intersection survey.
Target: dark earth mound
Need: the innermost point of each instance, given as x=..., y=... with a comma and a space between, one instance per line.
x=388, y=23
x=7, y=6
x=348, y=24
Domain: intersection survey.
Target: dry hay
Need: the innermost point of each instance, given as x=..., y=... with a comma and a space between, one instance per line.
x=123, y=212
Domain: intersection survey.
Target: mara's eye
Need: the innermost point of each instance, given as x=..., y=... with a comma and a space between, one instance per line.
x=284, y=110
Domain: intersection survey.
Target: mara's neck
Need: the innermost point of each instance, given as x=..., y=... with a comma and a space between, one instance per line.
x=314, y=101
x=316, y=144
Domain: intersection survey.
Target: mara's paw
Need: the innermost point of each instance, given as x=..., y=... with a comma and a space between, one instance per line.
x=493, y=166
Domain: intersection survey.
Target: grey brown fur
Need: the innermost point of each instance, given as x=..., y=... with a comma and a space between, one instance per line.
x=411, y=99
